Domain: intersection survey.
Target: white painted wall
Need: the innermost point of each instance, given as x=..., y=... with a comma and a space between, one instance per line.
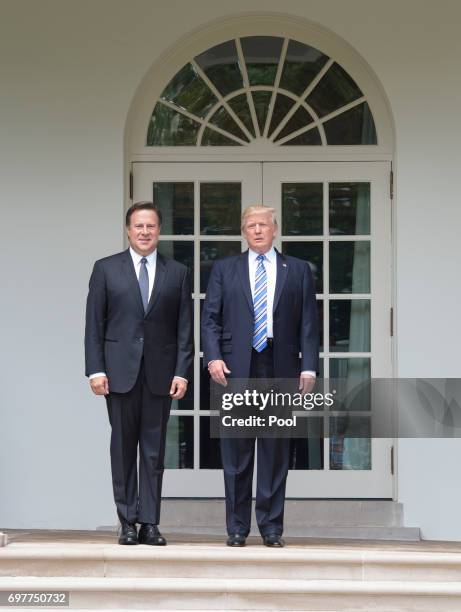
x=68, y=72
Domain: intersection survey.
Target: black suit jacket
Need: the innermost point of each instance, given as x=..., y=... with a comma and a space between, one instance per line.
x=119, y=334
x=227, y=319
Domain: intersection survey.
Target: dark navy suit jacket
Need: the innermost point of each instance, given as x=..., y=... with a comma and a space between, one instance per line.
x=119, y=334
x=227, y=319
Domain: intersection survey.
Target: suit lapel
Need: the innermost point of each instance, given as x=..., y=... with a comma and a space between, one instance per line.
x=132, y=279
x=282, y=273
x=160, y=275
x=244, y=275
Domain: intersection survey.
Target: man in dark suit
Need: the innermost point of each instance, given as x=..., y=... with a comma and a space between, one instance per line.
x=139, y=351
x=259, y=314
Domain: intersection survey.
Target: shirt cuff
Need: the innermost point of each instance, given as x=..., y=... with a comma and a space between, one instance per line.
x=309, y=373
x=96, y=374
x=181, y=378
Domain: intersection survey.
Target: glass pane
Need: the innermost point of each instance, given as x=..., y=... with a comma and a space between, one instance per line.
x=350, y=267
x=334, y=90
x=350, y=453
x=179, y=449
x=300, y=119
x=312, y=137
x=210, y=454
x=223, y=120
x=308, y=454
x=215, y=139
x=321, y=338
x=281, y=107
x=187, y=402
x=167, y=127
x=302, y=64
x=261, y=101
x=302, y=209
x=239, y=105
x=262, y=54
x=180, y=250
x=312, y=252
x=220, y=208
x=176, y=203
x=220, y=64
x=187, y=90
x=349, y=208
x=209, y=252
x=353, y=127
x=204, y=385
x=350, y=373
x=349, y=325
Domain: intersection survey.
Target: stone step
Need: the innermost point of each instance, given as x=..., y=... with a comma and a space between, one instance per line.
x=220, y=562
x=245, y=594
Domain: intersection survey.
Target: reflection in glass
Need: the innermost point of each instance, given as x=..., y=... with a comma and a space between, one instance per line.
x=281, y=107
x=320, y=320
x=176, y=203
x=302, y=64
x=261, y=55
x=167, y=127
x=209, y=252
x=349, y=210
x=220, y=208
x=302, y=209
x=350, y=267
x=220, y=64
x=180, y=250
x=210, y=454
x=352, y=375
x=300, y=119
x=311, y=137
x=350, y=453
x=312, y=252
x=204, y=385
x=261, y=100
x=215, y=139
x=179, y=449
x=223, y=120
x=335, y=89
x=308, y=454
x=350, y=325
x=353, y=127
x=239, y=105
x=187, y=90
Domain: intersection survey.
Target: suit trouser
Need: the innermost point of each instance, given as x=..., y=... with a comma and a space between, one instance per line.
x=272, y=469
x=138, y=418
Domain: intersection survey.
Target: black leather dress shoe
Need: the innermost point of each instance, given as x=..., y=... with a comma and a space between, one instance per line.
x=274, y=540
x=149, y=534
x=236, y=539
x=128, y=533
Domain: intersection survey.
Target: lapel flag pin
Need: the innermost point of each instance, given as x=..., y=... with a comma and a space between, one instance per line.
x=284, y=265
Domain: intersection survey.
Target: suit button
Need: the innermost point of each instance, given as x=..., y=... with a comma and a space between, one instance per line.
x=140, y=339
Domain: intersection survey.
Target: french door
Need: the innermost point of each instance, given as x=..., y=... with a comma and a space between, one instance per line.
x=336, y=216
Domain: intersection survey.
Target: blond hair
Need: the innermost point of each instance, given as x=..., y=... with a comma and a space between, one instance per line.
x=254, y=209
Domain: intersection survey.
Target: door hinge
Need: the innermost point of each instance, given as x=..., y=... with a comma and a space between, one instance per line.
x=392, y=460
x=131, y=186
x=391, y=325
x=391, y=185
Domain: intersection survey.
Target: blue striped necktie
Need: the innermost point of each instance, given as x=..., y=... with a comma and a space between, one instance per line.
x=260, y=306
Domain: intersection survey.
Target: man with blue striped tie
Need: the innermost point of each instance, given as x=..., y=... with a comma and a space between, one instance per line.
x=259, y=315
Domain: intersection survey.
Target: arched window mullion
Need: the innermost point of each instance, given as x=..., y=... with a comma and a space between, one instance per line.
x=304, y=95
x=221, y=100
x=181, y=110
x=278, y=76
x=246, y=83
x=303, y=130
x=343, y=109
x=211, y=126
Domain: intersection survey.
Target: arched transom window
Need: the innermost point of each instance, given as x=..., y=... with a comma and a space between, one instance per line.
x=261, y=87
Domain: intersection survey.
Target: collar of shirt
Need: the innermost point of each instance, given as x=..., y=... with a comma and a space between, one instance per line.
x=271, y=255
x=136, y=257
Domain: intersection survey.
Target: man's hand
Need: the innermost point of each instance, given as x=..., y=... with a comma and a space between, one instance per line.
x=218, y=370
x=100, y=385
x=178, y=388
x=306, y=383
